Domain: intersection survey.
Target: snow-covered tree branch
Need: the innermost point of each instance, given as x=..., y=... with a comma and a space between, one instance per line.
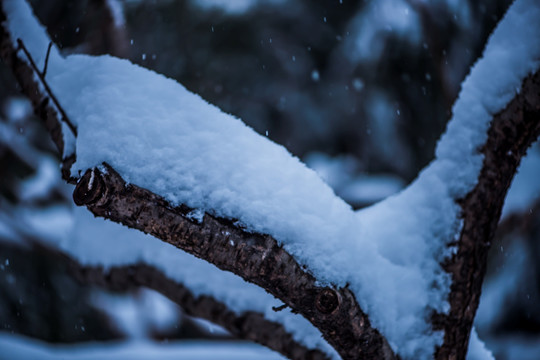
x=400, y=279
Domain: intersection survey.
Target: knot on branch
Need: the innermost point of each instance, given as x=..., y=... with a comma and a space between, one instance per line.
x=90, y=189
x=327, y=301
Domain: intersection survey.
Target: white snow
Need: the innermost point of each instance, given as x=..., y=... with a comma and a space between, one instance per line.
x=159, y=136
x=23, y=348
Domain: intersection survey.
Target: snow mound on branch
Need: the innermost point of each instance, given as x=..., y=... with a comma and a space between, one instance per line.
x=160, y=136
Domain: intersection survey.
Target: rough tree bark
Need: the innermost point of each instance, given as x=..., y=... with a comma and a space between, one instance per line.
x=511, y=133
x=258, y=258
x=255, y=257
x=248, y=325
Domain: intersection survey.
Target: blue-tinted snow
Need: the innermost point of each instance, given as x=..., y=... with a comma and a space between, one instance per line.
x=164, y=138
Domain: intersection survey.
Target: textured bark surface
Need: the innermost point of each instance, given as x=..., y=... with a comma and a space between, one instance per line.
x=258, y=258
x=511, y=132
x=249, y=325
x=255, y=257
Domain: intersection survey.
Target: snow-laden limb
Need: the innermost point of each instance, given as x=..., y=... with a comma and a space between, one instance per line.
x=82, y=243
x=158, y=136
x=257, y=258
x=505, y=111
x=219, y=139
x=430, y=218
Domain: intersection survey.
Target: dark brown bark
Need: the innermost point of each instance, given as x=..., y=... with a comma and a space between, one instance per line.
x=249, y=325
x=510, y=134
x=259, y=259
x=255, y=257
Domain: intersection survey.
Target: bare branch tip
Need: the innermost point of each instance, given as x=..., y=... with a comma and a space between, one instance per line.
x=90, y=188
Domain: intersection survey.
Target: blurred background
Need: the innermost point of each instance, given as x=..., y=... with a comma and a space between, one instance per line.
x=359, y=90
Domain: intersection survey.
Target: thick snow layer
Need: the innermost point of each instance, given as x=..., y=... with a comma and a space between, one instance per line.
x=410, y=229
x=159, y=136
x=23, y=348
x=512, y=53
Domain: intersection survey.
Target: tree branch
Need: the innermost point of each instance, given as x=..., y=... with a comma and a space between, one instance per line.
x=249, y=325
x=511, y=132
x=259, y=259
x=256, y=258
x=27, y=78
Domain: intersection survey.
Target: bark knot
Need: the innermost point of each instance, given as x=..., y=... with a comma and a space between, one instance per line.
x=327, y=301
x=90, y=189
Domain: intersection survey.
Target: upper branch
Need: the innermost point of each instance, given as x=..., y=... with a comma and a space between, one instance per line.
x=511, y=132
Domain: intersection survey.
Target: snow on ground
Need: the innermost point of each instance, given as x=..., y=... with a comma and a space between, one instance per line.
x=23, y=348
x=159, y=136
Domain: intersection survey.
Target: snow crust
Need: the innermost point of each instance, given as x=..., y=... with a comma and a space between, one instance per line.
x=159, y=136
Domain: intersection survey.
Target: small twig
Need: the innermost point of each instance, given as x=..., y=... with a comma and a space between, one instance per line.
x=279, y=308
x=47, y=60
x=47, y=88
